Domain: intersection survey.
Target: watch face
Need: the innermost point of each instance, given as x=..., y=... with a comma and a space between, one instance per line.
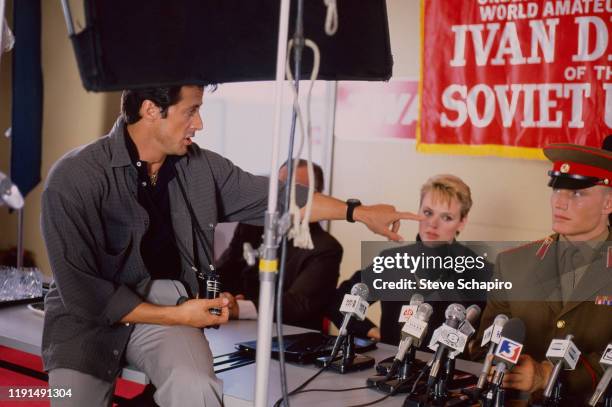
x=353, y=201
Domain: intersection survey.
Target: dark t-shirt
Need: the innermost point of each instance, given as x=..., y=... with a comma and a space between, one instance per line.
x=158, y=246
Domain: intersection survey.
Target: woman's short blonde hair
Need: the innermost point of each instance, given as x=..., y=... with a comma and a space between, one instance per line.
x=447, y=187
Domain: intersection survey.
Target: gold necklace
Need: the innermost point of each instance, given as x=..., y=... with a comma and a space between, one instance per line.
x=153, y=178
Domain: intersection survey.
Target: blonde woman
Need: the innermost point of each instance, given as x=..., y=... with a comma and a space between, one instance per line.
x=445, y=202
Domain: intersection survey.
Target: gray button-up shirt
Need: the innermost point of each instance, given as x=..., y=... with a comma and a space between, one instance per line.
x=93, y=225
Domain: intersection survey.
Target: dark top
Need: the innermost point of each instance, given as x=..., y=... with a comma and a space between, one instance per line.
x=390, y=328
x=93, y=226
x=310, y=275
x=158, y=246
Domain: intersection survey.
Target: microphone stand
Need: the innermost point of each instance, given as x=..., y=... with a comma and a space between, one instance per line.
x=439, y=390
x=406, y=368
x=607, y=401
x=555, y=398
x=349, y=361
x=400, y=381
x=495, y=397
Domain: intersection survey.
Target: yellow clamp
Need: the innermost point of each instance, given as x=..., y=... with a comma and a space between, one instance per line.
x=268, y=266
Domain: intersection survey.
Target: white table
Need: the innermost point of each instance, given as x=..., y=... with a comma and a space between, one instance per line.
x=21, y=329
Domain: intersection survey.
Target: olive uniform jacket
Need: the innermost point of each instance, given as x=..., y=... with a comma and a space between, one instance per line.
x=534, y=267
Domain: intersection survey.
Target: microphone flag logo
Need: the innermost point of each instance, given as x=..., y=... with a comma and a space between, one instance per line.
x=607, y=356
x=509, y=350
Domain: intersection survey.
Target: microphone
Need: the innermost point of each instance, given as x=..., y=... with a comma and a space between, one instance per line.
x=413, y=332
x=472, y=313
x=563, y=354
x=491, y=334
x=416, y=299
x=509, y=348
x=472, y=317
x=408, y=311
x=9, y=193
x=445, y=338
x=466, y=330
x=354, y=304
x=606, y=363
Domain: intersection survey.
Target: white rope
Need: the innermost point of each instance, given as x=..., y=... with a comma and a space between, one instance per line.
x=300, y=232
x=331, y=18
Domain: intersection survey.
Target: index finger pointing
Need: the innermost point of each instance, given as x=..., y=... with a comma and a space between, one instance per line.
x=410, y=216
x=395, y=227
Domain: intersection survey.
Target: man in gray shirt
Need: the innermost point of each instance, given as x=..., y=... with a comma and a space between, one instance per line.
x=127, y=221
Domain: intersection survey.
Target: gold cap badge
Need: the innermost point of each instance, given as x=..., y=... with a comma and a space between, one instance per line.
x=565, y=168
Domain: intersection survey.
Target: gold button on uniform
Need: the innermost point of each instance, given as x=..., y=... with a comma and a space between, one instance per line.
x=560, y=324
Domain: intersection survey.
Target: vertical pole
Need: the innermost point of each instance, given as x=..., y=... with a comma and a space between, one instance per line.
x=268, y=264
x=20, y=237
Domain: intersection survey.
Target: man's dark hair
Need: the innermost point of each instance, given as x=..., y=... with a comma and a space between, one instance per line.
x=319, y=183
x=163, y=97
x=131, y=100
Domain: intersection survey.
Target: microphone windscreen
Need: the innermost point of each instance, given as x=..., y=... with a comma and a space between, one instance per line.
x=472, y=314
x=416, y=299
x=455, y=311
x=424, y=312
x=500, y=320
x=514, y=330
x=361, y=290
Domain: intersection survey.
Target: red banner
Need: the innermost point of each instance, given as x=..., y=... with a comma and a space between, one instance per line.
x=508, y=77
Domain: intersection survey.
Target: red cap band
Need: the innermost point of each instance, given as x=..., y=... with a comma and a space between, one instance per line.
x=572, y=168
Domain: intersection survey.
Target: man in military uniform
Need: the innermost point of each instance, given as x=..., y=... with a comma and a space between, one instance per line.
x=560, y=281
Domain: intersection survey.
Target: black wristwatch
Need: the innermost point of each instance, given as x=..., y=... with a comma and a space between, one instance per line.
x=351, y=205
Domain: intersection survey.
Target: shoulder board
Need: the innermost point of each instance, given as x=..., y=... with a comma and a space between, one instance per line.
x=544, y=245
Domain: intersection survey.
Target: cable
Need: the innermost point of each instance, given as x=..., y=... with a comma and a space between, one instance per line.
x=331, y=18
x=416, y=382
x=279, y=324
x=399, y=385
x=333, y=390
x=301, y=386
x=301, y=229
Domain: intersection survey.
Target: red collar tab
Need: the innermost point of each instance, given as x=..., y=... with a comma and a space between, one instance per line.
x=544, y=248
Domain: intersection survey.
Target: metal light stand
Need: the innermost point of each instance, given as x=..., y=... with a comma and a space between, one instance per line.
x=19, y=211
x=2, y=7
x=268, y=264
x=68, y=17
x=298, y=41
x=20, y=238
